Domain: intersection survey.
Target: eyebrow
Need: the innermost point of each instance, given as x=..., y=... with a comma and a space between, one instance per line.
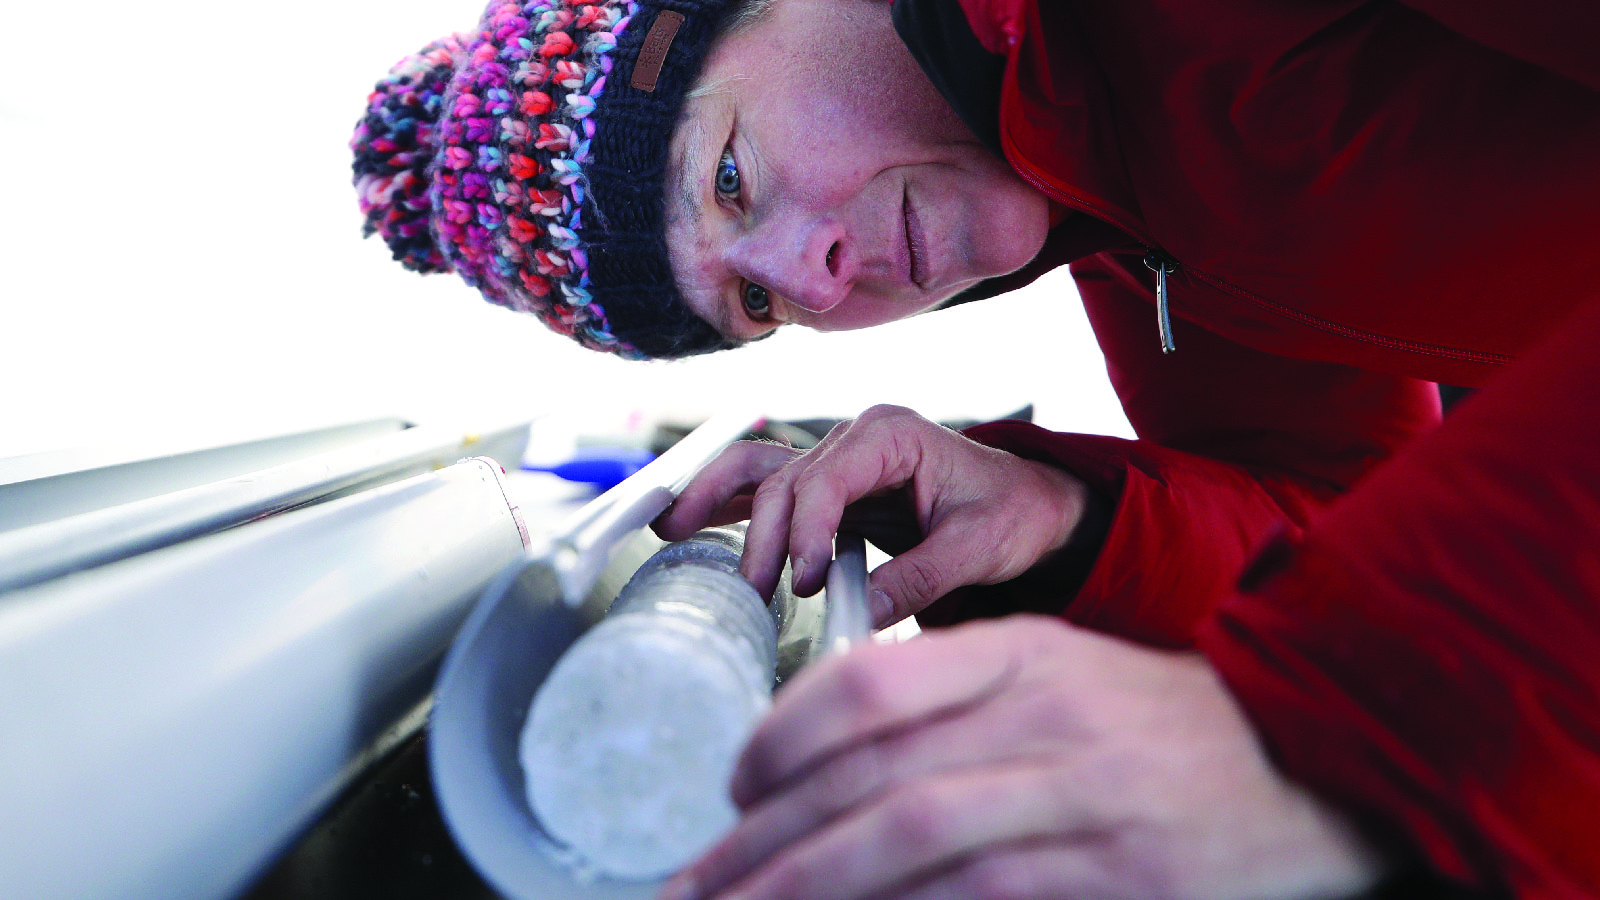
x=688, y=194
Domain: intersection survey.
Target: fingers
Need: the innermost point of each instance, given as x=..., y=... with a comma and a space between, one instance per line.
x=845, y=781
x=920, y=767
x=972, y=736
x=863, y=458
x=716, y=495
x=900, y=835
x=1084, y=766
x=798, y=510
x=953, y=555
x=766, y=542
x=1037, y=871
x=982, y=515
x=843, y=701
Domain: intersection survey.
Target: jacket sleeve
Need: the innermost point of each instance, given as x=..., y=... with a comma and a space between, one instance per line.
x=1234, y=446
x=1428, y=652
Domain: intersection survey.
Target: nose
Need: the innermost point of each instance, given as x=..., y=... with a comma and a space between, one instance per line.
x=805, y=260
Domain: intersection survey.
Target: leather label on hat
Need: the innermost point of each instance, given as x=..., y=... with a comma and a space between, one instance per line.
x=647, y=70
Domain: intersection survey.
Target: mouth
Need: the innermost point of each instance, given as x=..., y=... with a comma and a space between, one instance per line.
x=916, y=243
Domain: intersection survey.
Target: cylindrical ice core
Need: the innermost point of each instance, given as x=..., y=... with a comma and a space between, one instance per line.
x=630, y=743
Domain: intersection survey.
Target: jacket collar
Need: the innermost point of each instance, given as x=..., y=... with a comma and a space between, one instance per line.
x=970, y=72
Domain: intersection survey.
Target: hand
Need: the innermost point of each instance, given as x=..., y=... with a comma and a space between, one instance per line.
x=978, y=515
x=1019, y=758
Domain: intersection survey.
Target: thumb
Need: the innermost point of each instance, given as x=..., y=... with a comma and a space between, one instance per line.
x=947, y=559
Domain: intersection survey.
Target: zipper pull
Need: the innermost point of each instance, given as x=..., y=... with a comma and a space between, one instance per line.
x=1163, y=265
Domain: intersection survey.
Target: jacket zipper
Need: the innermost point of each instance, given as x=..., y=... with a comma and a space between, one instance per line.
x=1163, y=264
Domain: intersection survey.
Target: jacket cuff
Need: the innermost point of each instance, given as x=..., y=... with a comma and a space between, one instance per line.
x=1181, y=527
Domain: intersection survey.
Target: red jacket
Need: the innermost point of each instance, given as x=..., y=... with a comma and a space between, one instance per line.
x=1361, y=198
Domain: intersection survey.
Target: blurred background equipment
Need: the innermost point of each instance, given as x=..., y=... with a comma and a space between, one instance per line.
x=179, y=708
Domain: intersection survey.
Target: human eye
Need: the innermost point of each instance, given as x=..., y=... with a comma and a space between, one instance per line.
x=757, y=303
x=727, y=176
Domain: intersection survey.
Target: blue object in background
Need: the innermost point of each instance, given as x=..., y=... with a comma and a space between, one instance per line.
x=603, y=467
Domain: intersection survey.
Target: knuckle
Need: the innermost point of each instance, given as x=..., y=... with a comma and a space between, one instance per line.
x=842, y=785
x=747, y=458
x=1033, y=636
x=775, y=488
x=791, y=877
x=818, y=478
x=919, y=820
x=887, y=411
x=920, y=578
x=1129, y=863
x=899, y=421
x=866, y=692
x=846, y=781
x=997, y=877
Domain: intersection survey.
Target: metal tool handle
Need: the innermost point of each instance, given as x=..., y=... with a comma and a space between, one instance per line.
x=584, y=543
x=848, y=620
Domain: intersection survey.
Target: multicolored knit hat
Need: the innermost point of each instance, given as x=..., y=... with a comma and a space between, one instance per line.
x=530, y=158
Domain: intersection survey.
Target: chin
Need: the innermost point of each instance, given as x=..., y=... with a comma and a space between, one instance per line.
x=1016, y=232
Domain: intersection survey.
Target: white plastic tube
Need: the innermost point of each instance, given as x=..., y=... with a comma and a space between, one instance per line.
x=581, y=548
x=43, y=487
x=169, y=721
x=46, y=550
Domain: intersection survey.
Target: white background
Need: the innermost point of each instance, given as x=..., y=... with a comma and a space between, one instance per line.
x=181, y=262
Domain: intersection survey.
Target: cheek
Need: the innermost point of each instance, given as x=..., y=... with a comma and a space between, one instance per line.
x=694, y=269
x=900, y=109
x=869, y=311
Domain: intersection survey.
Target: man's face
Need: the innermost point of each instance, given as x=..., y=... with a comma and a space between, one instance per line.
x=817, y=177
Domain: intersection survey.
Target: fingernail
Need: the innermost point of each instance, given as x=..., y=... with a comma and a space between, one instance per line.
x=882, y=608
x=681, y=887
x=797, y=569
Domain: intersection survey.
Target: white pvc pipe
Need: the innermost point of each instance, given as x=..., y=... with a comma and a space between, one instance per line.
x=848, y=620
x=39, y=552
x=581, y=548
x=43, y=487
x=169, y=721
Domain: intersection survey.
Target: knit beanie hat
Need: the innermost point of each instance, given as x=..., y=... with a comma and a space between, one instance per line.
x=530, y=158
